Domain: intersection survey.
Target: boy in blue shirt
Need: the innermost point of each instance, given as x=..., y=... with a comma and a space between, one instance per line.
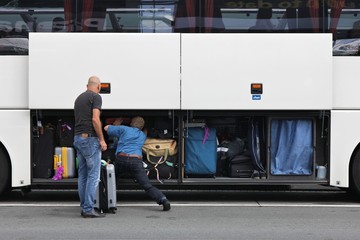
x=129, y=156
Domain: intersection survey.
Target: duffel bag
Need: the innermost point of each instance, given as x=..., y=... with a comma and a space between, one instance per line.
x=161, y=170
x=159, y=148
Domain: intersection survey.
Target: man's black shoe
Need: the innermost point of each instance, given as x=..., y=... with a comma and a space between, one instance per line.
x=166, y=205
x=92, y=214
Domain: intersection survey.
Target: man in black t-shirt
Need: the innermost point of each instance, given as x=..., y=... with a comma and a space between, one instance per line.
x=89, y=142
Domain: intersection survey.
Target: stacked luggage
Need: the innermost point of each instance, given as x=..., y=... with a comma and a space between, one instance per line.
x=241, y=153
x=53, y=151
x=160, y=150
x=64, y=153
x=233, y=160
x=244, y=158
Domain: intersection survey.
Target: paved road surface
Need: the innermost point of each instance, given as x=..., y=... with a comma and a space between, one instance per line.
x=194, y=215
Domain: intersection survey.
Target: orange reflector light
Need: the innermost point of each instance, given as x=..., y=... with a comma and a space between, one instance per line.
x=105, y=85
x=256, y=85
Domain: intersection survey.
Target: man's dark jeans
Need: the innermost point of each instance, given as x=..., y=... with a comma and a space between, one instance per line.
x=134, y=167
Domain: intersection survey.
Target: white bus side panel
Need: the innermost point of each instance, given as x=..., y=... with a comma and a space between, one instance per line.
x=345, y=127
x=143, y=69
x=295, y=70
x=15, y=136
x=346, y=83
x=14, y=82
x=345, y=136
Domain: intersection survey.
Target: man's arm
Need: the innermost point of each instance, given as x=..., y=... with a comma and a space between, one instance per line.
x=97, y=126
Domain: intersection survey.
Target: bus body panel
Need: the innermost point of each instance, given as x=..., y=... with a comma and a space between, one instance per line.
x=345, y=136
x=345, y=118
x=15, y=136
x=346, y=82
x=14, y=83
x=218, y=69
x=143, y=69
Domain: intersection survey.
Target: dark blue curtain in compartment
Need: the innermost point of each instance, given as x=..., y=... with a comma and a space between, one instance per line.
x=291, y=147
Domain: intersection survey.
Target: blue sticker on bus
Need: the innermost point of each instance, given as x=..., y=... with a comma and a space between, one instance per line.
x=256, y=97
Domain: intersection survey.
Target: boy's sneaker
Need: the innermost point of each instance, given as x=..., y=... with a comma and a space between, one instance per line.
x=262, y=175
x=255, y=175
x=166, y=205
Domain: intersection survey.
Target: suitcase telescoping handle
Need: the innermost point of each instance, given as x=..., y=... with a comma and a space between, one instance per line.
x=57, y=161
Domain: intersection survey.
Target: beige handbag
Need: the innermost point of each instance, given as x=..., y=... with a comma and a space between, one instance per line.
x=159, y=148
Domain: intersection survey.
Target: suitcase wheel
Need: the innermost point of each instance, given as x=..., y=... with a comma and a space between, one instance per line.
x=113, y=210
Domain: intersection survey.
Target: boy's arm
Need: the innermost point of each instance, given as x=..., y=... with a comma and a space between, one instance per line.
x=112, y=130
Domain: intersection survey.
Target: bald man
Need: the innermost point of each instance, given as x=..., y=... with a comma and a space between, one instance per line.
x=89, y=142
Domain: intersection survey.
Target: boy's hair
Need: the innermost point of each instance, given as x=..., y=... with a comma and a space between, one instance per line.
x=137, y=122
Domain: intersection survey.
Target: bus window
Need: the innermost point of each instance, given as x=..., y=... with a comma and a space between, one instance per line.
x=13, y=34
x=347, y=42
x=341, y=18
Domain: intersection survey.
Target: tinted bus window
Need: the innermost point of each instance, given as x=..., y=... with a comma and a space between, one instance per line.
x=341, y=18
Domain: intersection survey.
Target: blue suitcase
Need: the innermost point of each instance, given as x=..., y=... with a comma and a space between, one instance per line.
x=200, y=151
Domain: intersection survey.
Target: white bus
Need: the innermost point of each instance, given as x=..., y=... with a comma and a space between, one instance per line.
x=277, y=81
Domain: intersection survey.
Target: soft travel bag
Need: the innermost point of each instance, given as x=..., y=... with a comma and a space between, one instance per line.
x=200, y=151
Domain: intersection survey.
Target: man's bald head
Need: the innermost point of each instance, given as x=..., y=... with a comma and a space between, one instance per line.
x=93, y=80
x=94, y=84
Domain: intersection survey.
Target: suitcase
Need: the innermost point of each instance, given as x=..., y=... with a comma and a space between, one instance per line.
x=44, y=154
x=225, y=152
x=200, y=151
x=161, y=127
x=66, y=157
x=241, y=166
x=105, y=194
x=65, y=131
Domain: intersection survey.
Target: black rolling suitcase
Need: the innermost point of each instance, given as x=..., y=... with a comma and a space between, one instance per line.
x=241, y=166
x=105, y=197
x=65, y=133
x=43, y=147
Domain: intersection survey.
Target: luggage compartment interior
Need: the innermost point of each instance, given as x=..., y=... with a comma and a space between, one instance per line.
x=270, y=146
x=237, y=147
